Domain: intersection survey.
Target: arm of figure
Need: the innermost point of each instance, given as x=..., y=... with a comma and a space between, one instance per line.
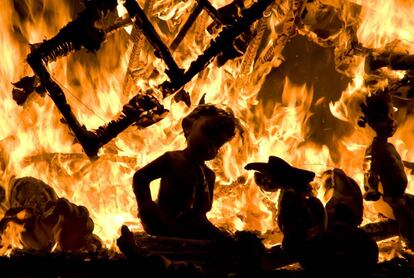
x=371, y=179
x=148, y=210
x=204, y=198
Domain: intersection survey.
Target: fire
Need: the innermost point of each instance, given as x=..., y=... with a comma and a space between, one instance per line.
x=35, y=143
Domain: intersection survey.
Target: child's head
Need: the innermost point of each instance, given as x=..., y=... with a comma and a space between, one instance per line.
x=207, y=128
x=378, y=113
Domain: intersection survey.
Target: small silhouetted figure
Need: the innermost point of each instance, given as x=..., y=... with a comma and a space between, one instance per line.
x=187, y=184
x=324, y=241
x=384, y=173
x=300, y=214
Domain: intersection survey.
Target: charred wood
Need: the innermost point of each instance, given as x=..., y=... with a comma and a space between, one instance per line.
x=201, y=250
x=134, y=63
x=382, y=230
x=142, y=22
x=142, y=110
x=79, y=33
x=224, y=38
x=24, y=87
x=187, y=25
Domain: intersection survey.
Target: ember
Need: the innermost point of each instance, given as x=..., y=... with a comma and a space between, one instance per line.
x=95, y=91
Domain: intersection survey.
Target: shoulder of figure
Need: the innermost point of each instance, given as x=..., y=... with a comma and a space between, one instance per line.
x=173, y=156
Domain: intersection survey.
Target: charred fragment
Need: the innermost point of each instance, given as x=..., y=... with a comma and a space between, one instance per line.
x=161, y=50
x=80, y=33
x=224, y=38
x=394, y=61
x=24, y=87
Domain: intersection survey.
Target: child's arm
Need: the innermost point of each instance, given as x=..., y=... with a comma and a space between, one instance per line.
x=371, y=179
x=204, y=196
x=144, y=176
x=151, y=215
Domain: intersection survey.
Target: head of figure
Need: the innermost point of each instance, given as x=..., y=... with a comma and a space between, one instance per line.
x=206, y=129
x=378, y=113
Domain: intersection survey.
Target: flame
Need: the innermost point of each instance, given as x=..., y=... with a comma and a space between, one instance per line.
x=35, y=143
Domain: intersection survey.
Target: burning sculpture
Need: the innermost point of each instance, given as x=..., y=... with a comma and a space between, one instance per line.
x=81, y=33
x=318, y=246
x=187, y=184
x=49, y=222
x=225, y=51
x=386, y=168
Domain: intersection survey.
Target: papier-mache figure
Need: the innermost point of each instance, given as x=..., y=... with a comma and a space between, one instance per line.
x=321, y=239
x=300, y=214
x=384, y=174
x=47, y=220
x=187, y=184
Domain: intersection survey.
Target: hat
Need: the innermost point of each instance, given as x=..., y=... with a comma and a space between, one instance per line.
x=282, y=174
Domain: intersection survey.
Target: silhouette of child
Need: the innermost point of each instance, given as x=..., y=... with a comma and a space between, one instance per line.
x=187, y=184
x=386, y=169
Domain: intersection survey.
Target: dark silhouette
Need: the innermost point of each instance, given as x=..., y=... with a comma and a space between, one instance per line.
x=187, y=184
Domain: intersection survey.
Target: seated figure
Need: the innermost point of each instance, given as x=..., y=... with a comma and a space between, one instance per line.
x=187, y=184
x=322, y=239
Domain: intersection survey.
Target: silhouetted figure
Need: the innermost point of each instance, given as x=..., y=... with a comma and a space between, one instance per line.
x=321, y=244
x=342, y=197
x=187, y=184
x=300, y=214
x=384, y=174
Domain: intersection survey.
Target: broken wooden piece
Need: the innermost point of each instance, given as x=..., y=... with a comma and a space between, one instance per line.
x=162, y=51
x=26, y=86
x=394, y=61
x=242, y=252
x=217, y=45
x=143, y=109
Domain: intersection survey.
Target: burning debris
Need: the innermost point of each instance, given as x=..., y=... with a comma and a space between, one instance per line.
x=81, y=33
x=48, y=222
x=386, y=169
x=227, y=50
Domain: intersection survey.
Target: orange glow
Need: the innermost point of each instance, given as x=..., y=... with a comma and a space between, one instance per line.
x=33, y=141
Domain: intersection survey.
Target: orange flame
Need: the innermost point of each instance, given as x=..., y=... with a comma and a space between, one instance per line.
x=34, y=142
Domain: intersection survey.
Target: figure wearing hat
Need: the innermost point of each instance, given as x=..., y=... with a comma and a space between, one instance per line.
x=300, y=214
x=320, y=238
